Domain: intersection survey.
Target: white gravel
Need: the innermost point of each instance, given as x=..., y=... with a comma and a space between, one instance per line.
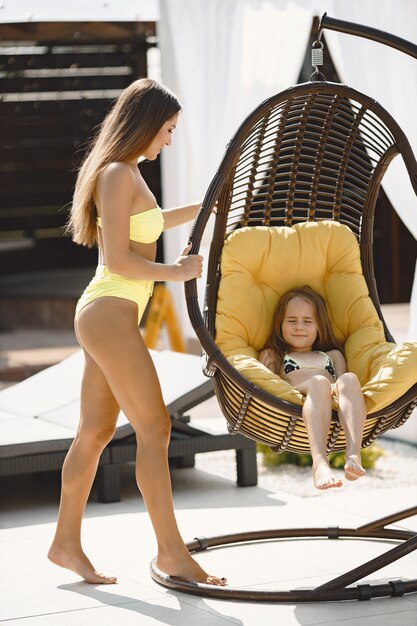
x=396, y=468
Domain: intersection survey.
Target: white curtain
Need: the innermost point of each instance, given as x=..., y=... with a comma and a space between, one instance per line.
x=390, y=77
x=223, y=57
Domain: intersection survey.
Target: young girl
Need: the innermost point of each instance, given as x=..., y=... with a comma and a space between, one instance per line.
x=302, y=349
x=114, y=209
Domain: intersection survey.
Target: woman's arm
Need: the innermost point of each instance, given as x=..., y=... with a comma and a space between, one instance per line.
x=180, y=215
x=116, y=192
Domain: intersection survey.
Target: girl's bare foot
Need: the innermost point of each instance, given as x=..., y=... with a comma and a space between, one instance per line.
x=76, y=561
x=324, y=477
x=353, y=467
x=186, y=569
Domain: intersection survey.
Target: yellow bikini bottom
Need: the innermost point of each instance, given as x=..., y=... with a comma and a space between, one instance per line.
x=106, y=284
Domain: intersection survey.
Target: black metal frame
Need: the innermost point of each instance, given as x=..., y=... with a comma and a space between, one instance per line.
x=359, y=30
x=333, y=590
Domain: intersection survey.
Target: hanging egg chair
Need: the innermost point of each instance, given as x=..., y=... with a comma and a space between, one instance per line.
x=296, y=194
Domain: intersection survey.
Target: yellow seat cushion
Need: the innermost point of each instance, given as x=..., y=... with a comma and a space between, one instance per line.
x=259, y=264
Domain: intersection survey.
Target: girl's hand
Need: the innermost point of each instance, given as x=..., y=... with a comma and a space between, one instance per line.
x=188, y=267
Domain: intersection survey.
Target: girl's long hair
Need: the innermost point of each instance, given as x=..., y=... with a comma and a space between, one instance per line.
x=135, y=118
x=325, y=339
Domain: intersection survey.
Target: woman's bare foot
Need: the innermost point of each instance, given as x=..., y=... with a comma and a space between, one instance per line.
x=323, y=477
x=353, y=467
x=77, y=561
x=187, y=569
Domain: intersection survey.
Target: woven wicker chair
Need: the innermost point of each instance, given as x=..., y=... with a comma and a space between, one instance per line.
x=317, y=151
x=312, y=153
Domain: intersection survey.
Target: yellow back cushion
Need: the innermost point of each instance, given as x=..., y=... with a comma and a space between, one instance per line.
x=259, y=264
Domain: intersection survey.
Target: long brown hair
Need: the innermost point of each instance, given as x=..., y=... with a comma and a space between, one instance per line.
x=135, y=118
x=325, y=339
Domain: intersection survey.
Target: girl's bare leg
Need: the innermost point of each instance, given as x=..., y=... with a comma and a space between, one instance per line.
x=352, y=415
x=317, y=414
x=99, y=411
x=113, y=340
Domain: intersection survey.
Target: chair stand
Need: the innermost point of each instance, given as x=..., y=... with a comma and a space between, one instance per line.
x=333, y=590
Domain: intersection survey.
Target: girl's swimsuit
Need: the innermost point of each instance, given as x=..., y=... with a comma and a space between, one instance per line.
x=289, y=364
x=145, y=227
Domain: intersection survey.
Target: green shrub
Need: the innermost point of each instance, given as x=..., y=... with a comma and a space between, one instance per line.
x=337, y=459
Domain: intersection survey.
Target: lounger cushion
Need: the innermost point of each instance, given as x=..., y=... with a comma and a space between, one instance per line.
x=259, y=264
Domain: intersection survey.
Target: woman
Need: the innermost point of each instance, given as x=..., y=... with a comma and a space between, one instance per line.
x=114, y=209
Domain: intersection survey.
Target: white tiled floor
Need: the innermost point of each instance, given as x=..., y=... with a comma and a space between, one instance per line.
x=119, y=540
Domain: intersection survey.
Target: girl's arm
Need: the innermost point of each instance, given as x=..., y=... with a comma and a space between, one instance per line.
x=339, y=362
x=267, y=358
x=180, y=215
x=116, y=192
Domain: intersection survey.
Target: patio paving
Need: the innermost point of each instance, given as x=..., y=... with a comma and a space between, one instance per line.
x=119, y=539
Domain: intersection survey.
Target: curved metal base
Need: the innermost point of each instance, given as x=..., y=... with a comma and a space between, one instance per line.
x=334, y=590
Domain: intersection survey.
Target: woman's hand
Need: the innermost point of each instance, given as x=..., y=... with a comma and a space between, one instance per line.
x=188, y=266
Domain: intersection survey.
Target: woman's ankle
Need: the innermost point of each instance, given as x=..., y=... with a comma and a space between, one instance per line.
x=66, y=543
x=174, y=552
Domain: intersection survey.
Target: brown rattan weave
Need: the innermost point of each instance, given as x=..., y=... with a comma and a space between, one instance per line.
x=317, y=151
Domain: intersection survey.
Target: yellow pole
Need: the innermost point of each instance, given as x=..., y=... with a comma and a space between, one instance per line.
x=161, y=309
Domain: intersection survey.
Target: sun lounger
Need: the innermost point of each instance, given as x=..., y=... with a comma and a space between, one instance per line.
x=39, y=418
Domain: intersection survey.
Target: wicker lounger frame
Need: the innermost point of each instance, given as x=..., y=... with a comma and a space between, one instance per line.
x=186, y=441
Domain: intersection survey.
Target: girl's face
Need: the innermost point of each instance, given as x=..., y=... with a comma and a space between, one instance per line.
x=161, y=139
x=299, y=328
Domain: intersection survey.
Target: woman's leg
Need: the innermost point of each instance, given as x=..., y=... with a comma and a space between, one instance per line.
x=352, y=415
x=317, y=414
x=114, y=341
x=98, y=416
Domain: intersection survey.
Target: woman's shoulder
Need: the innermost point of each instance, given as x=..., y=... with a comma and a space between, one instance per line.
x=116, y=178
x=116, y=170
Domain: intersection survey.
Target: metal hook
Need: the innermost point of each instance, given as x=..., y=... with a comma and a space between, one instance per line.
x=320, y=27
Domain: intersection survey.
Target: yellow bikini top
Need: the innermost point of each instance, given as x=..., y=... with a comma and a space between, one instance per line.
x=145, y=227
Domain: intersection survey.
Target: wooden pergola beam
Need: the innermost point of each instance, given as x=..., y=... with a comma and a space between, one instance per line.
x=79, y=31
